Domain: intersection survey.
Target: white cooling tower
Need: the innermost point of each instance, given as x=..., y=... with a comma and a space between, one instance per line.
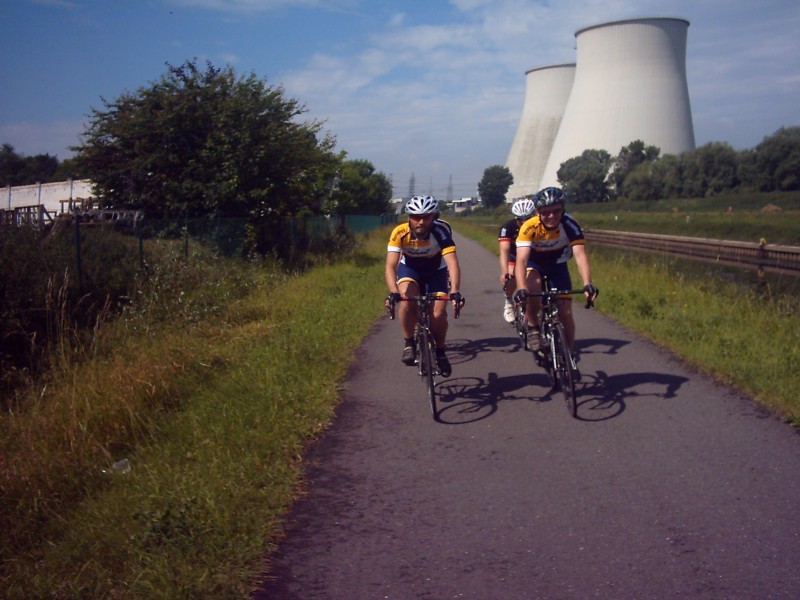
x=630, y=84
x=546, y=93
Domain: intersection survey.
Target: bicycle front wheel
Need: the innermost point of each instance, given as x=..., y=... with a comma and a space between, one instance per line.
x=428, y=366
x=563, y=369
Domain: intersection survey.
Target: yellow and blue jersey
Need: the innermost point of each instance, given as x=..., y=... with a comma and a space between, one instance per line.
x=550, y=246
x=422, y=255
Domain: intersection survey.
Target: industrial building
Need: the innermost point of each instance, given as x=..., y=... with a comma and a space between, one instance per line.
x=629, y=84
x=546, y=93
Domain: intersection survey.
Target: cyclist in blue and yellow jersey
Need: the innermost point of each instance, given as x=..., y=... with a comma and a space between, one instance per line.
x=545, y=243
x=421, y=258
x=522, y=209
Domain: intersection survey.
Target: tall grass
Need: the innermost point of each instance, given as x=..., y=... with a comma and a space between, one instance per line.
x=736, y=326
x=213, y=412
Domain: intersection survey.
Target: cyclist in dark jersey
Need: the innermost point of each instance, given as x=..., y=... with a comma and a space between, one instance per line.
x=421, y=254
x=522, y=209
x=545, y=243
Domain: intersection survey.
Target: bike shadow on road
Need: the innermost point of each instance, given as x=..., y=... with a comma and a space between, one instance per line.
x=464, y=400
x=601, y=396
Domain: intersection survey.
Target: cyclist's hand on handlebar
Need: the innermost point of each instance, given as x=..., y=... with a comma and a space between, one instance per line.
x=391, y=300
x=591, y=293
x=521, y=296
x=458, y=299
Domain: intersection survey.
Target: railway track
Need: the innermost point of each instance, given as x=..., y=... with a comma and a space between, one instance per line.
x=750, y=254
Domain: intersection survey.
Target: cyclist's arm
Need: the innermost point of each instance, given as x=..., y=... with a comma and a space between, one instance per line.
x=521, y=268
x=505, y=249
x=582, y=262
x=451, y=260
x=392, y=262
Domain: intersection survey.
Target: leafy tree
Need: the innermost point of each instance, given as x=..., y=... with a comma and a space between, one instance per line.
x=667, y=176
x=360, y=190
x=777, y=160
x=630, y=157
x=494, y=185
x=206, y=143
x=584, y=177
x=17, y=169
x=640, y=183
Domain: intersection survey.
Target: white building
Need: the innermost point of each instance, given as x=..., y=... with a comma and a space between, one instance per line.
x=55, y=197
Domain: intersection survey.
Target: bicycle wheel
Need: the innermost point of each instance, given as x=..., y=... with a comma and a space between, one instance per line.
x=428, y=367
x=563, y=368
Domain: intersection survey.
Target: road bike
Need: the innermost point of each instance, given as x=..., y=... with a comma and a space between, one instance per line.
x=553, y=354
x=424, y=344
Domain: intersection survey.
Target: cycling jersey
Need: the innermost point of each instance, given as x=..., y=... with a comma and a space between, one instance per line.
x=422, y=255
x=508, y=233
x=445, y=224
x=550, y=246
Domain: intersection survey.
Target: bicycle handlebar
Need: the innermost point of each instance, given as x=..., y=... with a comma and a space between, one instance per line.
x=424, y=298
x=554, y=293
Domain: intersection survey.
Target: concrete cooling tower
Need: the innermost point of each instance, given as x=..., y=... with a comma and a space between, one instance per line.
x=546, y=94
x=630, y=84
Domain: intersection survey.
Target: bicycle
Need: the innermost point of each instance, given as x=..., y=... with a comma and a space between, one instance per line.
x=424, y=344
x=553, y=354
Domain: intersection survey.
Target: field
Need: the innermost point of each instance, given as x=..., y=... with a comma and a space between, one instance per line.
x=773, y=217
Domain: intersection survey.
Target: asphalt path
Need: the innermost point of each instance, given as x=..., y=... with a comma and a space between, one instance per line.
x=668, y=485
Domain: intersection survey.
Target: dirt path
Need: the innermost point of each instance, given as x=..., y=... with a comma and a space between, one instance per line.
x=668, y=486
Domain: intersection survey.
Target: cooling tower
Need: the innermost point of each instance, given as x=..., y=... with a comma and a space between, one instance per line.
x=630, y=84
x=546, y=93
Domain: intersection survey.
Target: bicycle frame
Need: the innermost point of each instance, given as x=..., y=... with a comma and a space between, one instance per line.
x=424, y=342
x=554, y=354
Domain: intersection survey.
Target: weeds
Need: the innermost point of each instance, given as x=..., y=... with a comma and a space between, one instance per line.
x=212, y=397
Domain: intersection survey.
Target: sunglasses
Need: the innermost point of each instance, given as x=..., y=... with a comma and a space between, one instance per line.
x=546, y=214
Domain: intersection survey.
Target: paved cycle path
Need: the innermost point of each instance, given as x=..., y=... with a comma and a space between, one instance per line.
x=667, y=486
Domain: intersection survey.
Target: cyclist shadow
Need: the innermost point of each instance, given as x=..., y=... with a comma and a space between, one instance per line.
x=608, y=393
x=465, y=400
x=594, y=345
x=600, y=396
x=462, y=351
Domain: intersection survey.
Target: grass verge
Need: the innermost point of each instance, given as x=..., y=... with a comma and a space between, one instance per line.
x=740, y=329
x=211, y=480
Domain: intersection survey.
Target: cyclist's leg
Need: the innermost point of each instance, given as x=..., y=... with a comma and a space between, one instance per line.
x=407, y=284
x=534, y=306
x=561, y=279
x=437, y=283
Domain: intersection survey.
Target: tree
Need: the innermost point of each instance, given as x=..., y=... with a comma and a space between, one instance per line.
x=584, y=177
x=17, y=169
x=360, y=190
x=494, y=185
x=207, y=144
x=630, y=157
x=777, y=160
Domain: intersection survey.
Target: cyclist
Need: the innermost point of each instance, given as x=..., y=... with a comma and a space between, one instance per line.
x=545, y=243
x=421, y=254
x=522, y=209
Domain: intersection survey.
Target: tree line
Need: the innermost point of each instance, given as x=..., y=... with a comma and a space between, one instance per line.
x=204, y=142
x=638, y=172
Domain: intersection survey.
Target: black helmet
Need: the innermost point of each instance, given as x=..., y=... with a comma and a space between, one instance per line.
x=549, y=196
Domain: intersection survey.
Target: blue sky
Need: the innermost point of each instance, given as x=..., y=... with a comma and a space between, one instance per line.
x=429, y=87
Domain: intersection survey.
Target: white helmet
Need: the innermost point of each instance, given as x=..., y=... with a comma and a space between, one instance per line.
x=523, y=208
x=422, y=205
